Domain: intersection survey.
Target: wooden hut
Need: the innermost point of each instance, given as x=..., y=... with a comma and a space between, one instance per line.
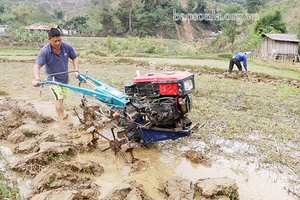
x=280, y=46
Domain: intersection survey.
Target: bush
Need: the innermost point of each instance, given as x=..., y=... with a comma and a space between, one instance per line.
x=21, y=36
x=225, y=55
x=8, y=189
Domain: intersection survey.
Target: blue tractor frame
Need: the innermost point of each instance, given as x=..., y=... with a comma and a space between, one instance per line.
x=116, y=99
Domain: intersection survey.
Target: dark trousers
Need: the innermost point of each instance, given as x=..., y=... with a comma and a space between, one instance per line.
x=236, y=62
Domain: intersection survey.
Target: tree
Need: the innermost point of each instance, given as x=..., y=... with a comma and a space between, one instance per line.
x=95, y=3
x=157, y=21
x=58, y=14
x=201, y=6
x=190, y=5
x=21, y=13
x=41, y=14
x=2, y=9
x=232, y=22
x=76, y=23
x=253, y=5
x=198, y=6
x=151, y=5
x=270, y=23
x=107, y=21
x=125, y=14
x=103, y=17
x=107, y=17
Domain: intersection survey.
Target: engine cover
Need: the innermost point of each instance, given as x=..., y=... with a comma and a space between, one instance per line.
x=178, y=83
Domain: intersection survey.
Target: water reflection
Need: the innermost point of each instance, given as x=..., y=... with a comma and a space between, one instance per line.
x=165, y=164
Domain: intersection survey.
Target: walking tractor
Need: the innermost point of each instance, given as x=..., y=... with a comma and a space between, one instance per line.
x=154, y=108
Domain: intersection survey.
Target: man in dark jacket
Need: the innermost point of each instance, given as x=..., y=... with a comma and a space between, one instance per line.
x=237, y=59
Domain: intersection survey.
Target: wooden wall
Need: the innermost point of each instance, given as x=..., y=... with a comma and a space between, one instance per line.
x=279, y=49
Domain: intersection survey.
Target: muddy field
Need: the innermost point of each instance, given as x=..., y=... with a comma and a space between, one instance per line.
x=247, y=145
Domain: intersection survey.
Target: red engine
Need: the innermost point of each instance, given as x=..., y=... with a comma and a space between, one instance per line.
x=161, y=99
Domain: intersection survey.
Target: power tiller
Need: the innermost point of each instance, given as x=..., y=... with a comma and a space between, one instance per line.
x=154, y=108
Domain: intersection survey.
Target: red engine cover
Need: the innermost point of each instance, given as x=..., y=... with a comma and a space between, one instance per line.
x=162, y=77
x=167, y=81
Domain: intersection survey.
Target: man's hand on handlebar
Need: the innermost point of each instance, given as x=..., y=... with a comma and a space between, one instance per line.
x=36, y=83
x=76, y=74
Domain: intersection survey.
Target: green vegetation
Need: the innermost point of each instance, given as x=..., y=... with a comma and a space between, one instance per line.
x=232, y=28
x=19, y=36
x=160, y=19
x=254, y=5
x=271, y=22
x=8, y=188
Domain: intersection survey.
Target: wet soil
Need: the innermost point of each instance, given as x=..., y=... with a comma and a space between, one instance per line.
x=53, y=160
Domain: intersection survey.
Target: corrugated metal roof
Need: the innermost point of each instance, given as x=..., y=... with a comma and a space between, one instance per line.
x=38, y=27
x=283, y=37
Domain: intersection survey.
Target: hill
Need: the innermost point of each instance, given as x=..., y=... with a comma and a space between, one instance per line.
x=70, y=7
x=141, y=18
x=291, y=14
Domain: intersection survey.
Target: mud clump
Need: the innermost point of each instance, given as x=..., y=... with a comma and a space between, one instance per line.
x=52, y=178
x=57, y=194
x=135, y=168
x=85, y=167
x=3, y=93
x=23, y=132
x=16, y=114
x=217, y=188
x=178, y=188
x=26, y=147
x=128, y=190
x=205, y=189
x=262, y=78
x=197, y=157
x=48, y=153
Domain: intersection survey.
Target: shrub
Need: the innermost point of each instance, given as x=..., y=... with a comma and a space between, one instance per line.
x=8, y=189
x=21, y=36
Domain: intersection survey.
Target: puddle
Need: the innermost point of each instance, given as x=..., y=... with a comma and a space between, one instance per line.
x=164, y=165
x=160, y=169
x=251, y=184
x=232, y=147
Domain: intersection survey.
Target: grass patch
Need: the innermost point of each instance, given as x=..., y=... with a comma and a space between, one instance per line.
x=8, y=189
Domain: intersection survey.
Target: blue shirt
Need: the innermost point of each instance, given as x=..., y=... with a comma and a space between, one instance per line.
x=241, y=57
x=55, y=63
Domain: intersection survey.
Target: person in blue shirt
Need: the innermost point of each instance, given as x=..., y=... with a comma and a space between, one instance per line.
x=237, y=59
x=55, y=57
